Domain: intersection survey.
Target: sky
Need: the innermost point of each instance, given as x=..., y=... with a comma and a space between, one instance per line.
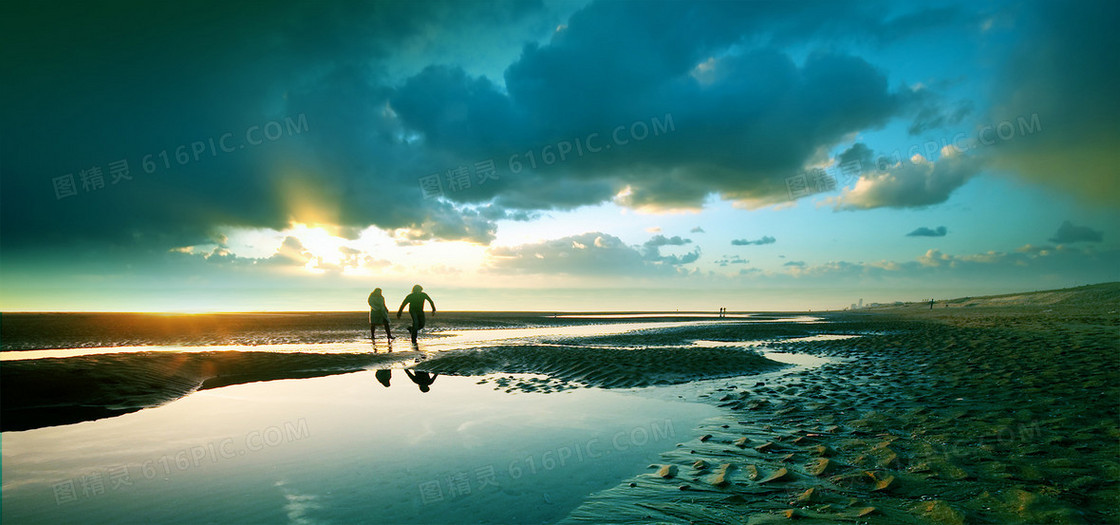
x=554, y=155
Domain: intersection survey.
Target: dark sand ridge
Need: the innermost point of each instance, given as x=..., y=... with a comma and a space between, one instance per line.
x=1005, y=411
x=47, y=392
x=661, y=356
x=603, y=367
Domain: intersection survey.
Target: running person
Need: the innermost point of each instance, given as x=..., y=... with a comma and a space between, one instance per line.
x=378, y=315
x=415, y=302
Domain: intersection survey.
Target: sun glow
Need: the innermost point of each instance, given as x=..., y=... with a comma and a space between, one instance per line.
x=324, y=246
x=318, y=250
x=306, y=202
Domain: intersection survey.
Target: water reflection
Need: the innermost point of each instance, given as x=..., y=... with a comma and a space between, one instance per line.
x=421, y=378
x=449, y=340
x=383, y=377
x=307, y=449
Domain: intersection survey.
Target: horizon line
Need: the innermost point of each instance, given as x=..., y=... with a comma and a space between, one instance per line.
x=600, y=312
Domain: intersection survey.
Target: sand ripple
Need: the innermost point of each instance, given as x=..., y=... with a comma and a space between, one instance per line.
x=605, y=367
x=976, y=416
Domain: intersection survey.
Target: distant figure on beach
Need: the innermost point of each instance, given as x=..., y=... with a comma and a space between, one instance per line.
x=378, y=315
x=415, y=302
x=422, y=379
x=931, y=304
x=383, y=377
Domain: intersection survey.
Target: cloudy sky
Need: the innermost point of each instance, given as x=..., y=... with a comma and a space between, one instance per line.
x=554, y=155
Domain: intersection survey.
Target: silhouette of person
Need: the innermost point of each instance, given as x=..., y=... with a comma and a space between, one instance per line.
x=383, y=377
x=415, y=302
x=422, y=379
x=378, y=314
x=931, y=304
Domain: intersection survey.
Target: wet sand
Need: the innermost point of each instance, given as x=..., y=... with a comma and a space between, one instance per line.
x=46, y=392
x=991, y=410
x=32, y=331
x=63, y=386
x=1005, y=411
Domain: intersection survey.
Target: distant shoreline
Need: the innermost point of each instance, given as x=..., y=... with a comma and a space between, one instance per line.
x=1004, y=299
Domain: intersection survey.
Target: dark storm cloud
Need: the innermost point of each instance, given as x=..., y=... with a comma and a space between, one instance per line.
x=940, y=231
x=766, y=239
x=447, y=222
x=935, y=117
x=859, y=154
x=91, y=85
x=1068, y=233
x=741, y=121
x=95, y=84
x=736, y=128
x=744, y=114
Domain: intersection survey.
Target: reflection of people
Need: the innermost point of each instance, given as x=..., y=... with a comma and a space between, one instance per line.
x=415, y=302
x=422, y=379
x=378, y=314
x=383, y=377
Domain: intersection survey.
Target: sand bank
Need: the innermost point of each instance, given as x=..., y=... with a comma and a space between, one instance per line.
x=998, y=413
x=46, y=392
x=62, y=386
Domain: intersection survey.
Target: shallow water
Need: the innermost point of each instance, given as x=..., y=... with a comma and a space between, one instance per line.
x=342, y=449
x=454, y=339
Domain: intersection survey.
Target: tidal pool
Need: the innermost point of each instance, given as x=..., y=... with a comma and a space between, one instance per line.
x=343, y=448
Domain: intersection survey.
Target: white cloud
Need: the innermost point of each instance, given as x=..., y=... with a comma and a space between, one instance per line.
x=591, y=254
x=916, y=182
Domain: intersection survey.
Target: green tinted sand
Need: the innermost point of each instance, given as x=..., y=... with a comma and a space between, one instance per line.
x=1007, y=411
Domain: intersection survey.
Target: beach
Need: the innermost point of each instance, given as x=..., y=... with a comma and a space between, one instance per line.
x=991, y=410
x=994, y=410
